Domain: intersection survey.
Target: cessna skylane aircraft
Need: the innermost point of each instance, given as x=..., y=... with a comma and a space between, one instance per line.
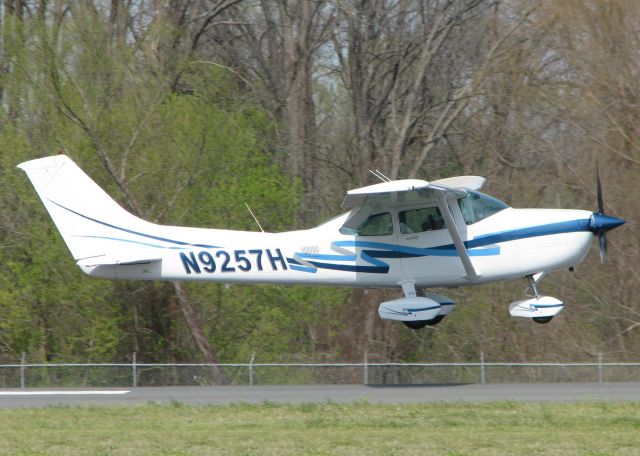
x=407, y=234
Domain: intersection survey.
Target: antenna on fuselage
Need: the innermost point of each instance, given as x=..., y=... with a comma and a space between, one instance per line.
x=254, y=217
x=380, y=176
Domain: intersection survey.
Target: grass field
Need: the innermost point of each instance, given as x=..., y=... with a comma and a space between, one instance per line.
x=502, y=428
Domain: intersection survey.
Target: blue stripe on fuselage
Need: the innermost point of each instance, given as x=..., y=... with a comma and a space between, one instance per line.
x=572, y=226
x=483, y=245
x=137, y=233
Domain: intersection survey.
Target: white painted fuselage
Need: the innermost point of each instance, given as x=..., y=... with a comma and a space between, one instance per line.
x=510, y=244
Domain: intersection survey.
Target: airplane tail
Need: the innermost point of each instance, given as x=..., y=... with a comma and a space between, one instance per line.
x=85, y=215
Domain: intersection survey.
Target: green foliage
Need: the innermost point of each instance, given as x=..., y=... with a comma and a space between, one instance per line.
x=272, y=322
x=191, y=157
x=43, y=295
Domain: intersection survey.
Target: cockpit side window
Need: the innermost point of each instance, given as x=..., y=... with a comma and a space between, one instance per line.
x=376, y=225
x=477, y=206
x=419, y=220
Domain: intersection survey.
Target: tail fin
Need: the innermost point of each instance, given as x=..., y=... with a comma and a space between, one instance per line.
x=83, y=212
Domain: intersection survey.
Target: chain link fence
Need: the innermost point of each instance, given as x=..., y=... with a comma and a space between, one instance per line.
x=143, y=374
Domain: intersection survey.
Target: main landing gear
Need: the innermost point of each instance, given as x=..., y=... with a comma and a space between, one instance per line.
x=540, y=309
x=416, y=311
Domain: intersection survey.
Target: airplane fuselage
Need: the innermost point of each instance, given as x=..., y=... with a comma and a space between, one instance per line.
x=510, y=244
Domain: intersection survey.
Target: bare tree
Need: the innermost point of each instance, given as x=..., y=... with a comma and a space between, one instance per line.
x=275, y=42
x=11, y=65
x=411, y=68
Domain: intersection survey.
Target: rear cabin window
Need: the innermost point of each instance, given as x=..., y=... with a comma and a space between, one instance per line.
x=477, y=206
x=376, y=225
x=419, y=220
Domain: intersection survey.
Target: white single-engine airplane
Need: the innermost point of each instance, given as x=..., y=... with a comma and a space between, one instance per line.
x=409, y=234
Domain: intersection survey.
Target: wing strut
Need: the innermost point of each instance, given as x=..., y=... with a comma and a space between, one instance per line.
x=455, y=235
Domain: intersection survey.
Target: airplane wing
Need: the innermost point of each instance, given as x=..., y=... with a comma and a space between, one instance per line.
x=383, y=192
x=468, y=182
x=399, y=190
x=366, y=200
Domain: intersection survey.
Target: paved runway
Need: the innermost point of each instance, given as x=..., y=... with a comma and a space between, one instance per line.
x=205, y=395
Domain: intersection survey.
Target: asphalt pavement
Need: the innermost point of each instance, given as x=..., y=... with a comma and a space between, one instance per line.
x=295, y=394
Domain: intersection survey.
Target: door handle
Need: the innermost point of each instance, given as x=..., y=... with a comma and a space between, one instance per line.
x=410, y=238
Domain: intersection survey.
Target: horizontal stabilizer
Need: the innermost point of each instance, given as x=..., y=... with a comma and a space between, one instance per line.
x=107, y=260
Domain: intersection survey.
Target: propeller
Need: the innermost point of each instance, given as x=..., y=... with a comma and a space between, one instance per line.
x=602, y=237
x=600, y=222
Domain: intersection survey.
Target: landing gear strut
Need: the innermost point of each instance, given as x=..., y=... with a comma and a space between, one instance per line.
x=533, y=286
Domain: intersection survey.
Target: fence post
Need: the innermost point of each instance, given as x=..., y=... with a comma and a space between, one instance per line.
x=599, y=367
x=253, y=356
x=365, y=365
x=22, y=362
x=482, y=372
x=134, y=372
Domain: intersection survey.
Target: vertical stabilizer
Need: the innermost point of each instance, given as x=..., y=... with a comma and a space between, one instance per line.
x=84, y=214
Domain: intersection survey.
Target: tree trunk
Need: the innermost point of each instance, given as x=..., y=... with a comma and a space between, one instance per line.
x=195, y=328
x=299, y=114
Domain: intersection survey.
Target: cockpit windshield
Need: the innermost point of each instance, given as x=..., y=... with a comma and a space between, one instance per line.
x=477, y=206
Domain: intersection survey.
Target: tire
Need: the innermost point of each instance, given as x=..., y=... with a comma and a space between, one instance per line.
x=434, y=321
x=422, y=323
x=542, y=320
